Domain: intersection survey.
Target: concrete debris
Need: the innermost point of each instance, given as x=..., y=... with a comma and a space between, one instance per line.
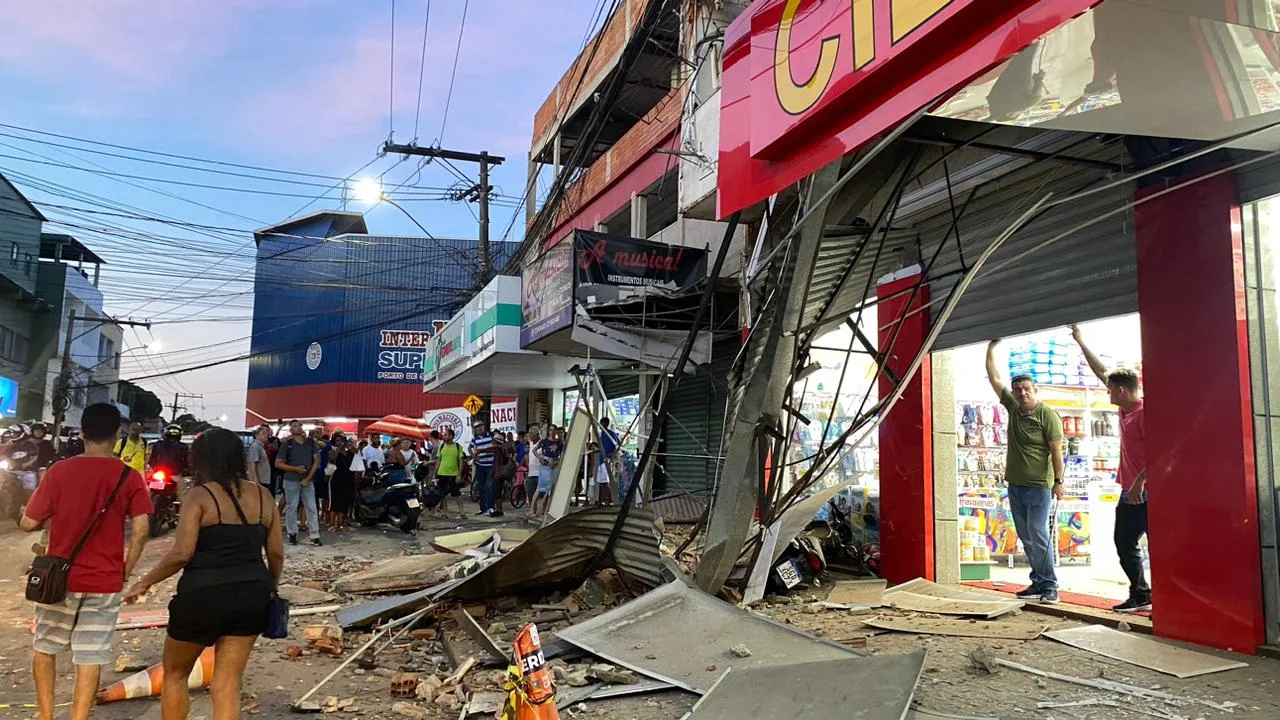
x=426, y=634
x=461, y=672
x=428, y=687
x=409, y=710
x=573, y=677
x=740, y=650
x=128, y=663
x=610, y=675
x=466, y=621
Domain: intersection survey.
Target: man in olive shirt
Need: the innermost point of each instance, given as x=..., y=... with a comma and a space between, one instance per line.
x=1033, y=472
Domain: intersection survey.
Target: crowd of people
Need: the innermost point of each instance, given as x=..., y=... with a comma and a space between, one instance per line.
x=242, y=506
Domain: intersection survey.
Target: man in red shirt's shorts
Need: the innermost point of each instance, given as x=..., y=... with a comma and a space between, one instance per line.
x=70, y=496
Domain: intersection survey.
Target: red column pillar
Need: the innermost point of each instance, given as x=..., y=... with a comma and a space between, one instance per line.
x=1203, y=513
x=906, y=437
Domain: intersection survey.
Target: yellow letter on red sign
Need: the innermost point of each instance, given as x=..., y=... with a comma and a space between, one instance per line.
x=908, y=15
x=797, y=97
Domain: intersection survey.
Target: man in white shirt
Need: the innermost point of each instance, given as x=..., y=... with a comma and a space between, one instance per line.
x=373, y=455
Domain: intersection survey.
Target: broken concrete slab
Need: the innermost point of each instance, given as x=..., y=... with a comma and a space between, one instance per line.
x=988, y=609
x=1143, y=652
x=876, y=687
x=408, y=572
x=486, y=703
x=958, y=628
x=680, y=635
x=863, y=593
x=299, y=596
x=558, y=556
x=920, y=586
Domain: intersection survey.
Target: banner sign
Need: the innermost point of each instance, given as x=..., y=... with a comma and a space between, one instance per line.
x=547, y=303
x=456, y=419
x=502, y=417
x=452, y=344
x=615, y=260
x=400, y=354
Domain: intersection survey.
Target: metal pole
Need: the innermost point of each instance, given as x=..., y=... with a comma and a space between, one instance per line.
x=64, y=379
x=484, y=218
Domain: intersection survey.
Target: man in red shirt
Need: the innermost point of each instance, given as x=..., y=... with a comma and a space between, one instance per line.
x=71, y=495
x=1131, y=513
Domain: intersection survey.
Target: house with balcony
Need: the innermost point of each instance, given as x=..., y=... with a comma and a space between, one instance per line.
x=20, y=224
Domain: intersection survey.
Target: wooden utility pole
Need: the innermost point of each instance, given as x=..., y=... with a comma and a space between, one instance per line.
x=62, y=386
x=175, y=407
x=480, y=191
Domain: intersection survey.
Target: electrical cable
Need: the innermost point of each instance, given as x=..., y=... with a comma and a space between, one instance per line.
x=457, y=52
x=422, y=67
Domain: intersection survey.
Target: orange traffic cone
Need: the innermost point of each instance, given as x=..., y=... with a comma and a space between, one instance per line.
x=531, y=689
x=147, y=683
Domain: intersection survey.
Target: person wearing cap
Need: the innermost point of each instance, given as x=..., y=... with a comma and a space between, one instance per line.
x=482, y=452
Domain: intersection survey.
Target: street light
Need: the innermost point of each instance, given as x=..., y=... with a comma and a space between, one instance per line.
x=222, y=418
x=369, y=190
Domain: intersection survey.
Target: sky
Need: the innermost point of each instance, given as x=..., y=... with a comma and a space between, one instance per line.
x=308, y=86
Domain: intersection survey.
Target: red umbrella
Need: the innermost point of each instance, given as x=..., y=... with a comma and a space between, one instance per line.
x=401, y=426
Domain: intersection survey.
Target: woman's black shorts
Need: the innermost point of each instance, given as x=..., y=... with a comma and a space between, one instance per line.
x=202, y=615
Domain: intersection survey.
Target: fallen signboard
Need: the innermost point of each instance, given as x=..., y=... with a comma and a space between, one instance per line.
x=1143, y=651
x=682, y=636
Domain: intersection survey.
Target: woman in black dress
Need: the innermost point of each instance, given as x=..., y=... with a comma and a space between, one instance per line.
x=230, y=550
x=342, y=485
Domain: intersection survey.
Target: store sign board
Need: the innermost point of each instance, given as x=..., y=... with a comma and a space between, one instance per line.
x=808, y=81
x=455, y=419
x=547, y=302
x=452, y=344
x=401, y=354
x=502, y=417
x=614, y=260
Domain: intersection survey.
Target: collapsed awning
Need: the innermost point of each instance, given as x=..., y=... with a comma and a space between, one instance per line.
x=401, y=426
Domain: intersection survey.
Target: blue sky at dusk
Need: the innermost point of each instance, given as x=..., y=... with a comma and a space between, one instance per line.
x=286, y=84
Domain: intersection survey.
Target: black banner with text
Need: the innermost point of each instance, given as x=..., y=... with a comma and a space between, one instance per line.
x=613, y=260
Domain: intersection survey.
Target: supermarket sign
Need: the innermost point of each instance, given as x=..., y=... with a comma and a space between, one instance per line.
x=809, y=81
x=400, y=354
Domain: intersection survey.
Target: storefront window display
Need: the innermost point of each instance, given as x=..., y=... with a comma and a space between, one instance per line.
x=1085, y=516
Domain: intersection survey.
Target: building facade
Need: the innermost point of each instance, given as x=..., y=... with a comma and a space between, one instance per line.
x=20, y=224
x=342, y=318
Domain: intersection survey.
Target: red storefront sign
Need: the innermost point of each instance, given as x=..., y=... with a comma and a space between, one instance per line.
x=807, y=81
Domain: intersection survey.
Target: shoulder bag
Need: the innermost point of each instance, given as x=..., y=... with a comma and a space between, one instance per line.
x=47, y=578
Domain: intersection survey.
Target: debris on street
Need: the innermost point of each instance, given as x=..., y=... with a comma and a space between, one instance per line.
x=409, y=572
x=1143, y=651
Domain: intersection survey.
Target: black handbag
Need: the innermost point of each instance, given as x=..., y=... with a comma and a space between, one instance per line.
x=277, y=618
x=47, y=577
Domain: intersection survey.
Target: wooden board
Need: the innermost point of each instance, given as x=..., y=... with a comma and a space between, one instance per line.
x=942, y=606
x=867, y=593
x=1143, y=651
x=958, y=628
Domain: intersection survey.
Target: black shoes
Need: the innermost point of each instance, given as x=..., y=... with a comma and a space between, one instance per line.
x=1133, y=605
x=293, y=539
x=1031, y=593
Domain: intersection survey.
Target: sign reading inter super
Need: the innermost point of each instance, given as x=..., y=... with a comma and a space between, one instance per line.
x=400, y=354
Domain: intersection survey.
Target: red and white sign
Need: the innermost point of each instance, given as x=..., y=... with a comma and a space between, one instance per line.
x=502, y=417
x=809, y=81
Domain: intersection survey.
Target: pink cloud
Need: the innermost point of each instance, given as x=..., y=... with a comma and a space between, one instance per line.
x=136, y=43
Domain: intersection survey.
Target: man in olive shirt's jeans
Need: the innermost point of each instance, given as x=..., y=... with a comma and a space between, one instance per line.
x=1033, y=471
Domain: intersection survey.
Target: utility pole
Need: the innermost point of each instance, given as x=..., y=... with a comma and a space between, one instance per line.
x=62, y=386
x=479, y=192
x=175, y=407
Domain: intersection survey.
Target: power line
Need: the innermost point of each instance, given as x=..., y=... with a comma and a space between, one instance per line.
x=457, y=52
x=422, y=67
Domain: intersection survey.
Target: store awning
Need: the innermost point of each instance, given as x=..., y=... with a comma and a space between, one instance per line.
x=400, y=426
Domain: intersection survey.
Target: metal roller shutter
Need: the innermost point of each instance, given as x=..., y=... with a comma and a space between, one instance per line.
x=696, y=423
x=616, y=386
x=1037, y=279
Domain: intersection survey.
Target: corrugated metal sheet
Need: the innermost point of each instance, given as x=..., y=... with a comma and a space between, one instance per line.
x=696, y=424
x=559, y=555
x=1027, y=285
x=679, y=508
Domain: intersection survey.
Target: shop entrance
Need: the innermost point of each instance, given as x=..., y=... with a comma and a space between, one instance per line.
x=989, y=549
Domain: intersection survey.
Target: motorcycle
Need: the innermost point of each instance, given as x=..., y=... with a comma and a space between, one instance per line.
x=11, y=493
x=163, y=487
x=383, y=500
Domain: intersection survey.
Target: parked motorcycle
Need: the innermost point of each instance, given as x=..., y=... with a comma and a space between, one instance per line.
x=163, y=487
x=383, y=500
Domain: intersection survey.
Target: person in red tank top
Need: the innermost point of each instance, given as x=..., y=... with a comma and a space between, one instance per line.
x=1131, y=514
x=72, y=493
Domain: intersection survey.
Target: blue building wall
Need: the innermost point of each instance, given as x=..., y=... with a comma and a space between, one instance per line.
x=340, y=293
